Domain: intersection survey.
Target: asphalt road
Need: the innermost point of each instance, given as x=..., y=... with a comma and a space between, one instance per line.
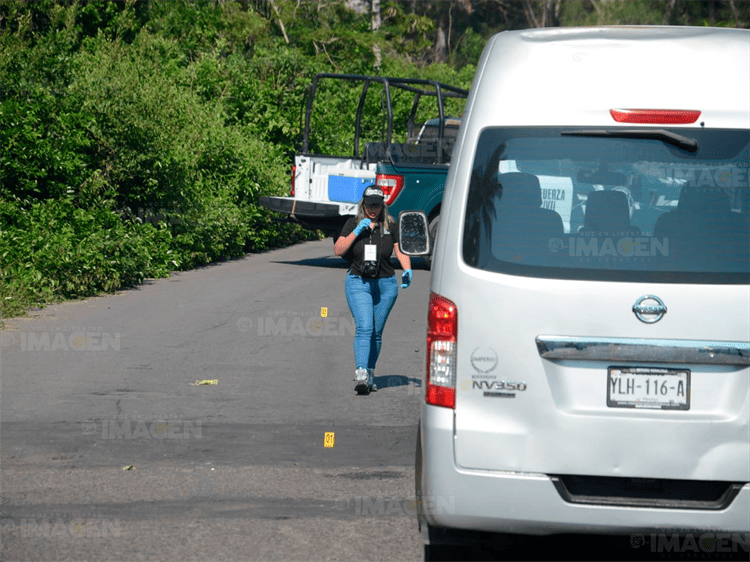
x=233, y=471
x=239, y=470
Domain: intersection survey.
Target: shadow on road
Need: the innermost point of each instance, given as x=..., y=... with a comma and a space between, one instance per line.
x=573, y=547
x=333, y=262
x=394, y=381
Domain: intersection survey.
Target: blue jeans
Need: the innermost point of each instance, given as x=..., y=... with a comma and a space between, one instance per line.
x=370, y=301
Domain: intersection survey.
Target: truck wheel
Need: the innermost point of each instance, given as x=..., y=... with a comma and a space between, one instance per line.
x=432, y=230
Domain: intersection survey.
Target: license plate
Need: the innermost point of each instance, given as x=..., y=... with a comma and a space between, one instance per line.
x=649, y=388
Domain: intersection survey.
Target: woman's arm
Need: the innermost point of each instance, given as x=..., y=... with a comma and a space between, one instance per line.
x=343, y=243
x=403, y=259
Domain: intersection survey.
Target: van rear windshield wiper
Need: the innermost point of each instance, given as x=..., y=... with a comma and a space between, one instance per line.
x=680, y=141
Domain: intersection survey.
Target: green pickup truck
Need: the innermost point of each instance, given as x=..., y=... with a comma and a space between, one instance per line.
x=326, y=188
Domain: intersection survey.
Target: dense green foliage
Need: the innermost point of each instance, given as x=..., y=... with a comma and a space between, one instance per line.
x=138, y=136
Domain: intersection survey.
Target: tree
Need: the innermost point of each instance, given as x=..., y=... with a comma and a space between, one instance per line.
x=542, y=14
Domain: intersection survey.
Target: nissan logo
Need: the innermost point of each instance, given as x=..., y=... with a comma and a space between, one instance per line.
x=649, y=309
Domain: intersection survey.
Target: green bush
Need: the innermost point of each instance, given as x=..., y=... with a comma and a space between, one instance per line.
x=53, y=250
x=128, y=154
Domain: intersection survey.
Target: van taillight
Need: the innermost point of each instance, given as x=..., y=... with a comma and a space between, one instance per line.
x=294, y=177
x=391, y=186
x=442, y=329
x=655, y=116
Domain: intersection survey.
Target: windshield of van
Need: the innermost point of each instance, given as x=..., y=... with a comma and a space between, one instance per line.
x=577, y=204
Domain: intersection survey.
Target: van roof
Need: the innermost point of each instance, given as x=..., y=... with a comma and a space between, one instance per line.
x=574, y=76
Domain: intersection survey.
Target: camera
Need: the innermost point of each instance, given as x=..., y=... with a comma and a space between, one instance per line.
x=370, y=269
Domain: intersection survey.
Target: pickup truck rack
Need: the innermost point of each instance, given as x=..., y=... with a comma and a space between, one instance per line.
x=326, y=188
x=418, y=87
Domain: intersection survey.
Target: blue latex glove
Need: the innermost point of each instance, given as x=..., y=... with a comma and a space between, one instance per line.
x=406, y=279
x=364, y=223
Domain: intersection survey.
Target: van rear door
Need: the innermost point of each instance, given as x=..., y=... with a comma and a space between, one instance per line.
x=614, y=338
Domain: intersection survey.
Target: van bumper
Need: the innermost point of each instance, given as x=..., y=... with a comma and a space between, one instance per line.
x=529, y=503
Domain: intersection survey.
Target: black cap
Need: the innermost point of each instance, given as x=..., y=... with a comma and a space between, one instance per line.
x=373, y=195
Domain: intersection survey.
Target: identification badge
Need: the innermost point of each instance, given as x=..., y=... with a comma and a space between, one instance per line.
x=371, y=252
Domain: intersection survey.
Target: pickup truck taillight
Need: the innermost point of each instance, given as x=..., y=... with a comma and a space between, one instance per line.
x=391, y=186
x=294, y=175
x=442, y=330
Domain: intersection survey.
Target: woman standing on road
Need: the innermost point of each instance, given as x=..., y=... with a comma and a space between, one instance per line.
x=367, y=242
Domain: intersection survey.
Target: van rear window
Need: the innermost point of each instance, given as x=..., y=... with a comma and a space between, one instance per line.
x=611, y=204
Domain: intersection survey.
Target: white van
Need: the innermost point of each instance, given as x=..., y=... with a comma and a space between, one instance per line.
x=588, y=365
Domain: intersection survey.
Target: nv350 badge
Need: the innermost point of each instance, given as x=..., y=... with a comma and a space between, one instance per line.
x=499, y=385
